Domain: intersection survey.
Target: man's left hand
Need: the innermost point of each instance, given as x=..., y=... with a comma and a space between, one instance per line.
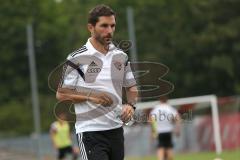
x=127, y=113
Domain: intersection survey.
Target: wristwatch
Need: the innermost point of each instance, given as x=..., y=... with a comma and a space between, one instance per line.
x=132, y=105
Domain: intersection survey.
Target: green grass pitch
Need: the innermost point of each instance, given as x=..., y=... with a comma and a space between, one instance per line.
x=226, y=155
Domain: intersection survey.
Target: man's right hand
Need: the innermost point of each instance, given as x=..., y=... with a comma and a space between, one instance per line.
x=100, y=98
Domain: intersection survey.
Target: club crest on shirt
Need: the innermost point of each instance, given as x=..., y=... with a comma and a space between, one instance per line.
x=118, y=65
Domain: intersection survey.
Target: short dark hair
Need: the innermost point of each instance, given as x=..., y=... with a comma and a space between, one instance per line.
x=98, y=11
x=163, y=99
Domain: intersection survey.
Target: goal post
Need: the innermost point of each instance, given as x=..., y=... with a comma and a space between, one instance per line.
x=209, y=99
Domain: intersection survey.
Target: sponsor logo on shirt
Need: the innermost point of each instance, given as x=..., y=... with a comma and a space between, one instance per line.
x=94, y=70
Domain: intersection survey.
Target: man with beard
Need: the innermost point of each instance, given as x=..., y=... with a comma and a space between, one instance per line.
x=93, y=80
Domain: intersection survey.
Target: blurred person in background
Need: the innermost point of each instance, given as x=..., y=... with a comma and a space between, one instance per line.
x=165, y=121
x=100, y=137
x=61, y=138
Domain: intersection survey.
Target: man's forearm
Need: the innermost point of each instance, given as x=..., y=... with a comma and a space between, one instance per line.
x=52, y=139
x=132, y=94
x=68, y=94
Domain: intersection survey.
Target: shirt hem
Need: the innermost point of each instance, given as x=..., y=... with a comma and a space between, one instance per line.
x=91, y=129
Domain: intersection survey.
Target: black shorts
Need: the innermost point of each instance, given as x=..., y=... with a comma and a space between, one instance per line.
x=102, y=145
x=165, y=140
x=62, y=152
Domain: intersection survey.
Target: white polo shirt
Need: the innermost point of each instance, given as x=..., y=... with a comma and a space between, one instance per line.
x=164, y=115
x=101, y=73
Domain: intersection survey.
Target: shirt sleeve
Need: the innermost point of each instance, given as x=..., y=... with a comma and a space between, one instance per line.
x=174, y=111
x=53, y=127
x=129, y=79
x=70, y=75
x=152, y=112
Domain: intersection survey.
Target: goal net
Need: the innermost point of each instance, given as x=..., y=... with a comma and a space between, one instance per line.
x=200, y=127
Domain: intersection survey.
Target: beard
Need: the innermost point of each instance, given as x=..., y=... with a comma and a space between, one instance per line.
x=103, y=40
